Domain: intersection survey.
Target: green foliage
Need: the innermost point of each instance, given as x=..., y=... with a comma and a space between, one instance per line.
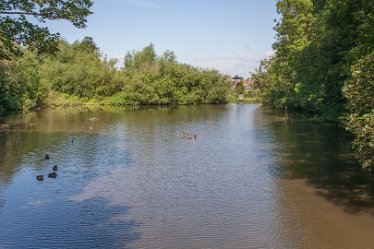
x=320, y=46
x=360, y=94
x=78, y=74
x=135, y=60
x=363, y=129
x=153, y=80
x=17, y=28
x=145, y=79
x=276, y=79
x=78, y=69
x=56, y=99
x=359, y=90
x=120, y=98
x=20, y=85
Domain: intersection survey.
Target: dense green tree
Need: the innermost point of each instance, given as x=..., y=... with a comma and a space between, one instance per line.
x=135, y=60
x=144, y=79
x=360, y=94
x=162, y=80
x=239, y=88
x=79, y=70
x=20, y=85
x=88, y=44
x=321, y=47
x=169, y=56
x=277, y=78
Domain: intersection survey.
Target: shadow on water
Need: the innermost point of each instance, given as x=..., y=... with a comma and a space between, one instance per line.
x=324, y=158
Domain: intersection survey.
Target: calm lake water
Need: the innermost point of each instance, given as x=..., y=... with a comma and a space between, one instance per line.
x=129, y=180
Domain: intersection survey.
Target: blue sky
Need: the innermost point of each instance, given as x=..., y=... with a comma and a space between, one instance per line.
x=229, y=35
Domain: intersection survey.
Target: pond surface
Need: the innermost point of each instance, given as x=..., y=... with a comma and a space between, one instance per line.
x=129, y=180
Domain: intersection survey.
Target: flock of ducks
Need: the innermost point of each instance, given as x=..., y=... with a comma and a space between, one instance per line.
x=185, y=135
x=188, y=136
x=53, y=174
x=50, y=175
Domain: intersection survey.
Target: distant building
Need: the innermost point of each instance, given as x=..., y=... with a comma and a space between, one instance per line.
x=248, y=83
x=234, y=82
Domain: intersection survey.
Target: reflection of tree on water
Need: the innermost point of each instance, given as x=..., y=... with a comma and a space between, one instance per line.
x=2, y=201
x=323, y=157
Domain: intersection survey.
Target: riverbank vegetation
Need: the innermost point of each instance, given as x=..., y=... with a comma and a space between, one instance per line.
x=78, y=74
x=323, y=65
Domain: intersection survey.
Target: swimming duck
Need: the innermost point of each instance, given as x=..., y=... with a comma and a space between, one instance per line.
x=186, y=135
x=40, y=177
x=54, y=168
x=52, y=175
x=46, y=157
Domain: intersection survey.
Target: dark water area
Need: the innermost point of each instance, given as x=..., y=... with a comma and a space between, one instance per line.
x=251, y=179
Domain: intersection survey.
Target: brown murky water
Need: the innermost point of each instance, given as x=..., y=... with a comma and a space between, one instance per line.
x=129, y=180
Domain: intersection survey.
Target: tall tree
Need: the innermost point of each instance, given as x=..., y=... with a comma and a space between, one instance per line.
x=323, y=65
